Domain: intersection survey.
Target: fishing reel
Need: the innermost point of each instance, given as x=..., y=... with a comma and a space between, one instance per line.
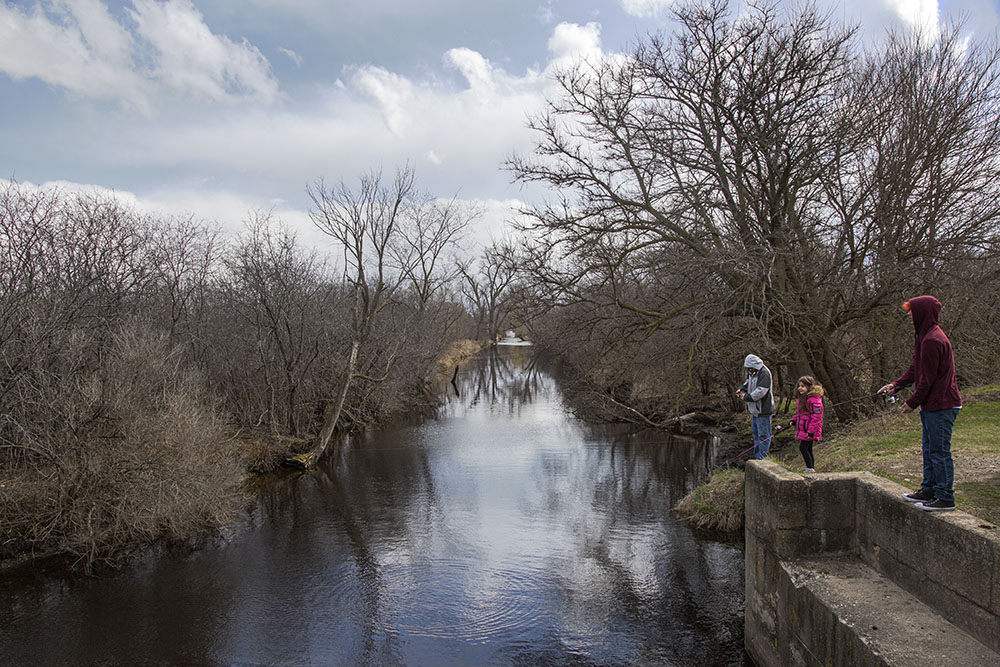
x=891, y=399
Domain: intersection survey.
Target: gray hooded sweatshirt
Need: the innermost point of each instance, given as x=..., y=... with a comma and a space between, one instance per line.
x=757, y=387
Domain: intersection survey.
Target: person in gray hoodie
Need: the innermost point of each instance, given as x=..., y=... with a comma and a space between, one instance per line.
x=756, y=391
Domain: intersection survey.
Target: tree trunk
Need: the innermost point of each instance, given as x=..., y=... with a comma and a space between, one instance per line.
x=310, y=458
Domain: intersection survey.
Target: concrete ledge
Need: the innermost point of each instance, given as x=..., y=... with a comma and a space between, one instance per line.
x=842, y=612
x=948, y=561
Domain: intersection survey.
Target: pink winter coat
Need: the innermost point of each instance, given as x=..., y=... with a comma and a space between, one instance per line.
x=809, y=420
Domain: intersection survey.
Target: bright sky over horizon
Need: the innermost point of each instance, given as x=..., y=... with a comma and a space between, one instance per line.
x=215, y=108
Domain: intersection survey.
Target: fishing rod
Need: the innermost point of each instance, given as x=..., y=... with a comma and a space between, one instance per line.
x=890, y=398
x=777, y=430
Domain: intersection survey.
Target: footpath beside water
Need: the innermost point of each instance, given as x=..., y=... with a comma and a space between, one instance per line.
x=841, y=570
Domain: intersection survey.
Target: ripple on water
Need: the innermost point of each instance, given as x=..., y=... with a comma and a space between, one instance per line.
x=461, y=599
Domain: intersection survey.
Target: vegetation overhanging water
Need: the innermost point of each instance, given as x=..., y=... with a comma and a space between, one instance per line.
x=502, y=532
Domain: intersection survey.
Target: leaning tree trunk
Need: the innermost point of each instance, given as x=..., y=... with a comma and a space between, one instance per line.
x=331, y=415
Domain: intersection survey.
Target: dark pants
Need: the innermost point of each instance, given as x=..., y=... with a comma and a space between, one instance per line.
x=939, y=470
x=806, y=449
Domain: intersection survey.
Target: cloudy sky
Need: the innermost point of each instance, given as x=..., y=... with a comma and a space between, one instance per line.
x=217, y=107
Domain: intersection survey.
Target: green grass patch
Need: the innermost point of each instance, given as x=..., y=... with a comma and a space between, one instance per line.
x=890, y=437
x=980, y=498
x=717, y=504
x=981, y=390
x=888, y=445
x=978, y=428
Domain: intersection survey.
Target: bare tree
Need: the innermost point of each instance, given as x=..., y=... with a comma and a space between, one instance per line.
x=486, y=286
x=366, y=223
x=107, y=437
x=187, y=254
x=764, y=159
x=133, y=351
x=287, y=293
x=431, y=228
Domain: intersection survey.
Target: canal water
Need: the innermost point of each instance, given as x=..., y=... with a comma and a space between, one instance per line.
x=504, y=531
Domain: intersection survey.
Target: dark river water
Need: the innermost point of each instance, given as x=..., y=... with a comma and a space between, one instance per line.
x=503, y=532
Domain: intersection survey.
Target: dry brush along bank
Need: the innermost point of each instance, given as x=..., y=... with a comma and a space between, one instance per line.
x=141, y=359
x=144, y=458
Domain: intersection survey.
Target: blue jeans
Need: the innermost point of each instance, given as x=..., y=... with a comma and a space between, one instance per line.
x=939, y=470
x=761, y=426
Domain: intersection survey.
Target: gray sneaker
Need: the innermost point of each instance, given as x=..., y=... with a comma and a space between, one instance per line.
x=937, y=505
x=920, y=496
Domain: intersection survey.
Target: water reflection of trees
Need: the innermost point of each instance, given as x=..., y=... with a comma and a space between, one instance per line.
x=632, y=482
x=333, y=553
x=679, y=593
x=508, y=376
x=686, y=608
x=354, y=504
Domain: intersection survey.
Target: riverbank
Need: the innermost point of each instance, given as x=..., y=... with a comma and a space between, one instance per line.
x=503, y=531
x=166, y=470
x=887, y=445
x=262, y=452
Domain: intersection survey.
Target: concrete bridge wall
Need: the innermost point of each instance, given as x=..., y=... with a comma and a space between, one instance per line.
x=821, y=548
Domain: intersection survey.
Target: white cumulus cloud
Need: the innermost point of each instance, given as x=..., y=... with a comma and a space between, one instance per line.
x=190, y=58
x=79, y=48
x=473, y=66
x=373, y=117
x=167, y=48
x=921, y=15
x=645, y=8
x=294, y=57
x=571, y=42
x=391, y=92
x=457, y=136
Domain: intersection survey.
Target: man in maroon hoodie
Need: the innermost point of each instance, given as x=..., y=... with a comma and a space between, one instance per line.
x=936, y=394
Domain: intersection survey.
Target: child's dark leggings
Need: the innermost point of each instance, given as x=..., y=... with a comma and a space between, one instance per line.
x=806, y=447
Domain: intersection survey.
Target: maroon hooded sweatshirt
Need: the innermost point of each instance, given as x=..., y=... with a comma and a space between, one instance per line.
x=933, y=367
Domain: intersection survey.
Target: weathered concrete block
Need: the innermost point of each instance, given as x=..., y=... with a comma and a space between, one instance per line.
x=906, y=576
x=995, y=604
x=995, y=598
x=845, y=613
x=949, y=548
x=955, y=556
x=832, y=542
x=979, y=622
x=885, y=520
x=760, y=632
x=815, y=635
x=775, y=497
x=832, y=501
x=756, y=487
x=950, y=562
x=958, y=589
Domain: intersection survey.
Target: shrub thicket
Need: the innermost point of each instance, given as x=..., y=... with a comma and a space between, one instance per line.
x=143, y=361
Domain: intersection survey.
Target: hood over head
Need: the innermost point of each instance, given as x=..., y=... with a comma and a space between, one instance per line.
x=925, y=311
x=753, y=361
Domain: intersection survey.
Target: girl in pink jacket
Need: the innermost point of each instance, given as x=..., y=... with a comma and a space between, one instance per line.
x=808, y=419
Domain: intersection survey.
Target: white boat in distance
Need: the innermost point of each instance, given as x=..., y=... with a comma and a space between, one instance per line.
x=511, y=338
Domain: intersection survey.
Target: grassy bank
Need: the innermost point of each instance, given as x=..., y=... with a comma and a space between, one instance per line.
x=717, y=504
x=887, y=445
x=457, y=353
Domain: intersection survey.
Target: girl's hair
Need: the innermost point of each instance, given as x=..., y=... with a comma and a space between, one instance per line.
x=813, y=388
